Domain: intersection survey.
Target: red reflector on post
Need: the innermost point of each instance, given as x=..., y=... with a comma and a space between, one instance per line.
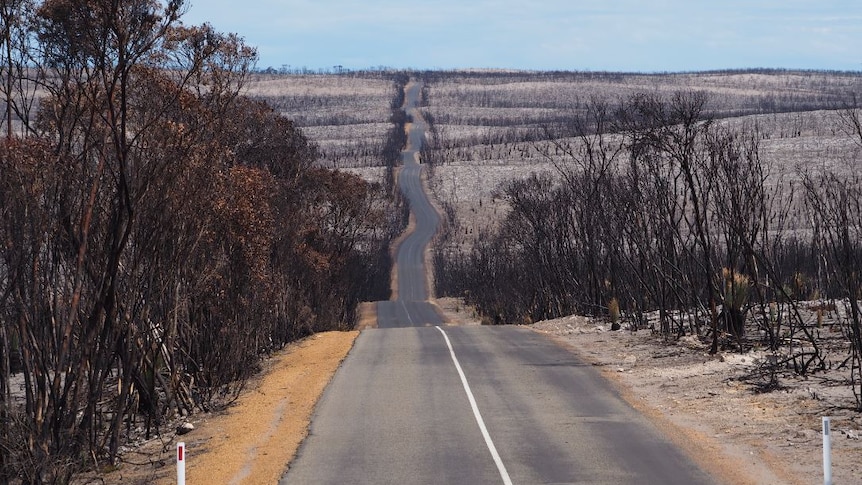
x=181, y=463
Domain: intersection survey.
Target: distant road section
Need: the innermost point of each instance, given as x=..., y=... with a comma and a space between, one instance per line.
x=411, y=307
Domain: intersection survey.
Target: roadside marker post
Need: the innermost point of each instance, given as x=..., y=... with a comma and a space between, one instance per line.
x=827, y=453
x=181, y=463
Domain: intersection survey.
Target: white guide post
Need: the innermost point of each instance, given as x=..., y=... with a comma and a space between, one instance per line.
x=827, y=453
x=181, y=463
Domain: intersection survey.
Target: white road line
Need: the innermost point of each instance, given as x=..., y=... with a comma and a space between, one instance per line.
x=409, y=319
x=493, y=449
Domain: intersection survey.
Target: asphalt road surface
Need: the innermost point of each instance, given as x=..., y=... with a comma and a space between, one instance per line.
x=411, y=307
x=422, y=403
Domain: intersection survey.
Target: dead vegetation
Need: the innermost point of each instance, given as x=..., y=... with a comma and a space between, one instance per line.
x=161, y=233
x=695, y=201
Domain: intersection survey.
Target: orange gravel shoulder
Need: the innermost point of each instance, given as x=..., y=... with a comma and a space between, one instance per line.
x=255, y=438
x=258, y=436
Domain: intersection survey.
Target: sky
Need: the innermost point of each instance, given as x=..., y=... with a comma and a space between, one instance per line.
x=583, y=35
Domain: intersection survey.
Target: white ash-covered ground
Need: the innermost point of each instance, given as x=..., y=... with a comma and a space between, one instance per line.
x=346, y=115
x=493, y=129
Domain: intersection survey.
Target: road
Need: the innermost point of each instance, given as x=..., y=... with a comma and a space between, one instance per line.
x=411, y=306
x=417, y=402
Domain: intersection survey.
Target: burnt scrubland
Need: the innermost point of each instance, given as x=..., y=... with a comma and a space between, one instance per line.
x=723, y=205
x=169, y=216
x=161, y=231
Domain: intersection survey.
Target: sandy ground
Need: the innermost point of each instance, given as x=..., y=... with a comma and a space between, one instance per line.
x=710, y=406
x=252, y=441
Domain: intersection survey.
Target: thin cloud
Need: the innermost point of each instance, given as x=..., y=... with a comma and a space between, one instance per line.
x=662, y=35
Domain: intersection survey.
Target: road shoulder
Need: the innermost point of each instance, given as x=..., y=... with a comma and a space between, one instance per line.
x=703, y=405
x=254, y=439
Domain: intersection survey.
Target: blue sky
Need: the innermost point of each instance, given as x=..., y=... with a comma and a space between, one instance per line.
x=613, y=35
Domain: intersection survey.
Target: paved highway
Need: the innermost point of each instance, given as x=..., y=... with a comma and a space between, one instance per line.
x=422, y=403
x=411, y=306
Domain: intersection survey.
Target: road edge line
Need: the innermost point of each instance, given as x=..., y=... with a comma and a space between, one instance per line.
x=493, y=449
